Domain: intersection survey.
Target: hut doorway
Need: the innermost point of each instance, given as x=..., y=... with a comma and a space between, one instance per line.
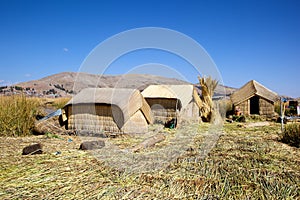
x=254, y=105
x=164, y=109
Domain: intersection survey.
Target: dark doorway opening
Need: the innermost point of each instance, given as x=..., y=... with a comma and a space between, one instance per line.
x=254, y=105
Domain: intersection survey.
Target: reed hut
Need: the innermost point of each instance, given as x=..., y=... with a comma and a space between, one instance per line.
x=173, y=101
x=254, y=98
x=108, y=110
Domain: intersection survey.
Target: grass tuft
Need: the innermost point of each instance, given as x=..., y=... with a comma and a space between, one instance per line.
x=291, y=134
x=17, y=115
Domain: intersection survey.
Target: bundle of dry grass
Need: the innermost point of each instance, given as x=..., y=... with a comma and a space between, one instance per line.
x=208, y=86
x=48, y=126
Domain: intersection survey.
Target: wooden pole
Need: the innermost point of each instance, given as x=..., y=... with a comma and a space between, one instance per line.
x=282, y=110
x=281, y=114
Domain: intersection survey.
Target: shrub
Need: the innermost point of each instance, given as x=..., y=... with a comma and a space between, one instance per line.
x=17, y=115
x=277, y=107
x=60, y=87
x=18, y=88
x=224, y=106
x=256, y=118
x=291, y=134
x=240, y=118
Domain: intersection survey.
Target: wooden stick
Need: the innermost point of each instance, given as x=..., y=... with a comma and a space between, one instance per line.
x=149, y=142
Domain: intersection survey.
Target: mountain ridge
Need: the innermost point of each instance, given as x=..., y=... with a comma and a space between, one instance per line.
x=69, y=83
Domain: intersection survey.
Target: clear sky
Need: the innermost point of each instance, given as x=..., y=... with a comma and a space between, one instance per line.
x=247, y=39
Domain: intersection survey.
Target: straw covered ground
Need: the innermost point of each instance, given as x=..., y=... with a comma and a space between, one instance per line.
x=244, y=163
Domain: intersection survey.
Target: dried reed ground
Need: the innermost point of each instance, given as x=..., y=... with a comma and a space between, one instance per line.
x=246, y=163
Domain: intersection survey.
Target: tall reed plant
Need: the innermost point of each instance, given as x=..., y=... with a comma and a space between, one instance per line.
x=17, y=115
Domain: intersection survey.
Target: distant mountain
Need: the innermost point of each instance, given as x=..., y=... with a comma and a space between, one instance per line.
x=68, y=83
x=220, y=91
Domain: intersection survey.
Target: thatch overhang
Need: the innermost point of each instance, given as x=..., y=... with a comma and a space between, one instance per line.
x=251, y=89
x=184, y=93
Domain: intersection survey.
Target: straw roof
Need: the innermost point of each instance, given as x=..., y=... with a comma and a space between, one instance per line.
x=184, y=93
x=250, y=89
x=128, y=100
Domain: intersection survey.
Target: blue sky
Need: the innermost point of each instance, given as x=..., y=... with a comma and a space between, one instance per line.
x=247, y=39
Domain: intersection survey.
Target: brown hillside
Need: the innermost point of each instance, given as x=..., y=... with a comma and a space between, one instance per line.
x=67, y=83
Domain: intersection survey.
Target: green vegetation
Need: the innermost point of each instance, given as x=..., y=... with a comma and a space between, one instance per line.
x=18, y=88
x=291, y=134
x=246, y=163
x=17, y=115
x=60, y=102
x=288, y=110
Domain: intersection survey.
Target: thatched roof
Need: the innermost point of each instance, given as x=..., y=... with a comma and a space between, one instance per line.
x=250, y=89
x=184, y=93
x=128, y=100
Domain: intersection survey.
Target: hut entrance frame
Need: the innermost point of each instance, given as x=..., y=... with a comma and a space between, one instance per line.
x=164, y=109
x=254, y=105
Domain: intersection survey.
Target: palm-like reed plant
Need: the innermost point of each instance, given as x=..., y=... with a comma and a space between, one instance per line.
x=208, y=86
